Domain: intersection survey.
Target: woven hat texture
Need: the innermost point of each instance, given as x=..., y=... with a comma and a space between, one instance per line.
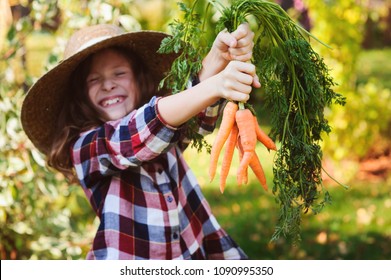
x=44, y=99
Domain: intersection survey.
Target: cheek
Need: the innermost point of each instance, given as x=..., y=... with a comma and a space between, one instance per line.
x=134, y=95
x=92, y=94
x=132, y=102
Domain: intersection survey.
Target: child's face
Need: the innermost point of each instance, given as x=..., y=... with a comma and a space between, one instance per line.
x=111, y=86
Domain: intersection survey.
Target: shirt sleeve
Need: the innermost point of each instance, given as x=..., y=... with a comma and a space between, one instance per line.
x=140, y=136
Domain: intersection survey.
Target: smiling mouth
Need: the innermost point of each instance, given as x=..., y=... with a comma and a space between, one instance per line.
x=111, y=101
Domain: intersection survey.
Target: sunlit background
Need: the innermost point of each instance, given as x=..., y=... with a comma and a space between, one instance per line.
x=43, y=217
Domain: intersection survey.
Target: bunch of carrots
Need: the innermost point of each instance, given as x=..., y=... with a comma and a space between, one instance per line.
x=297, y=86
x=239, y=128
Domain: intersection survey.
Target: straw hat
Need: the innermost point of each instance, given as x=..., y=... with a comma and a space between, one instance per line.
x=45, y=98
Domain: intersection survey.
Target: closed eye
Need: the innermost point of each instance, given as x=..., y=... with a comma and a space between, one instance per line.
x=92, y=80
x=119, y=74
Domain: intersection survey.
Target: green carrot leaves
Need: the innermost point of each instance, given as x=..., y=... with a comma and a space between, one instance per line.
x=186, y=41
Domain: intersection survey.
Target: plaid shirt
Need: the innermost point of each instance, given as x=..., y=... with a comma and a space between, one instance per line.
x=149, y=202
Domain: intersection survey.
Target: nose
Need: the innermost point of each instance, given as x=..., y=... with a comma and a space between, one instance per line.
x=108, y=84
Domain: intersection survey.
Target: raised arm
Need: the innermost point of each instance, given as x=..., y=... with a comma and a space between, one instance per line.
x=233, y=83
x=225, y=74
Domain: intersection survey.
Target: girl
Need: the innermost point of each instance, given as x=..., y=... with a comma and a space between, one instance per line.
x=99, y=117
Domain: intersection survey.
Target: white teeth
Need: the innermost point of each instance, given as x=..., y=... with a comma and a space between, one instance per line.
x=111, y=101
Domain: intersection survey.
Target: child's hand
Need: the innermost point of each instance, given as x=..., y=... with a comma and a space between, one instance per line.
x=227, y=47
x=236, y=80
x=237, y=45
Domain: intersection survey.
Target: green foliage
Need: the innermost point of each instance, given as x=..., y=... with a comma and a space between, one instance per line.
x=187, y=38
x=365, y=118
x=36, y=206
x=371, y=67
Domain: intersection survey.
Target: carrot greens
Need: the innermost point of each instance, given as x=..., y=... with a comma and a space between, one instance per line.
x=298, y=87
x=187, y=41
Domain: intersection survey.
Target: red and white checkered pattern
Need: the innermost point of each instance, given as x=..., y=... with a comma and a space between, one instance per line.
x=149, y=202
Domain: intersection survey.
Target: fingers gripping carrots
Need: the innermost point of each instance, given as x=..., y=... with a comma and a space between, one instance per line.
x=240, y=128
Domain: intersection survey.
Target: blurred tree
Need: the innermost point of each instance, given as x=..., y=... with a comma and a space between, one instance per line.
x=365, y=119
x=35, y=204
x=297, y=10
x=41, y=215
x=5, y=19
x=378, y=25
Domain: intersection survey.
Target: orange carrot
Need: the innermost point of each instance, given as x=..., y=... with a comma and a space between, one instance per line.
x=244, y=178
x=263, y=137
x=256, y=166
x=248, y=139
x=228, y=154
x=226, y=125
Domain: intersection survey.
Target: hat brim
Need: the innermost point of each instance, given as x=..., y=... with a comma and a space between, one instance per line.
x=45, y=98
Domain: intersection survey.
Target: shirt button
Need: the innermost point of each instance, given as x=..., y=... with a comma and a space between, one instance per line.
x=169, y=198
x=175, y=235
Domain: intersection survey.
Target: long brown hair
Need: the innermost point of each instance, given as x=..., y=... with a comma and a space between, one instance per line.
x=78, y=114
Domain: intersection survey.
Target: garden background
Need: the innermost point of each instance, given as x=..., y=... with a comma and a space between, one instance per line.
x=43, y=217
